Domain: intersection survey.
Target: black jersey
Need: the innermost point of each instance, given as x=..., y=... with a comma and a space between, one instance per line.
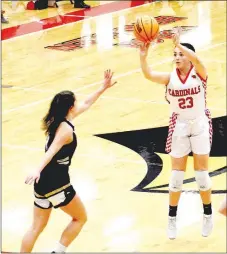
x=56, y=173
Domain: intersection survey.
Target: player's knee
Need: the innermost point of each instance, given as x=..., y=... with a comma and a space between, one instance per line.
x=176, y=180
x=82, y=219
x=223, y=211
x=203, y=180
x=223, y=208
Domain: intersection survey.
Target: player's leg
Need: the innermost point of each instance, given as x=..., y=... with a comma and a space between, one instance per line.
x=176, y=180
x=3, y=19
x=201, y=145
x=75, y=208
x=175, y=188
x=180, y=148
x=223, y=208
x=40, y=220
x=204, y=184
x=202, y=177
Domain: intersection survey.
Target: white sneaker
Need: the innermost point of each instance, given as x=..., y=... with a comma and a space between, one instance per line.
x=207, y=225
x=172, y=227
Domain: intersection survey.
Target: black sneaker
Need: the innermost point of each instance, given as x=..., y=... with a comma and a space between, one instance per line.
x=81, y=4
x=3, y=20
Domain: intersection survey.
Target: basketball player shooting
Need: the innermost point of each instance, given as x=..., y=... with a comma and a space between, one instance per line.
x=190, y=126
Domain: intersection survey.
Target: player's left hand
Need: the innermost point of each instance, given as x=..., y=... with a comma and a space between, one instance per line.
x=108, y=74
x=176, y=35
x=33, y=177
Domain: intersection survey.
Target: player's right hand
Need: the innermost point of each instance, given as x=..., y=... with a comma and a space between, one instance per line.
x=33, y=177
x=144, y=47
x=176, y=35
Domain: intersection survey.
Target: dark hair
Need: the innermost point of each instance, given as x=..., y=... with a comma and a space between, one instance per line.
x=188, y=45
x=58, y=110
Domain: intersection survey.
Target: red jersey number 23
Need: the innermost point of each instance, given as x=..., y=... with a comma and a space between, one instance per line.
x=186, y=102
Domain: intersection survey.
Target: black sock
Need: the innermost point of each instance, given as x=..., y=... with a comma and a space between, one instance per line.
x=207, y=209
x=172, y=211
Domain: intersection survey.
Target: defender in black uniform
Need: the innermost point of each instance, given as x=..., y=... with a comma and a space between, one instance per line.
x=54, y=184
x=52, y=187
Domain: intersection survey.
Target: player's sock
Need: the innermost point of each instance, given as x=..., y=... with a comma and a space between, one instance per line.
x=172, y=211
x=207, y=209
x=59, y=248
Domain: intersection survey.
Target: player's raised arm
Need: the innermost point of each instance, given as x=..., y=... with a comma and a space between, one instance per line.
x=190, y=54
x=92, y=98
x=154, y=76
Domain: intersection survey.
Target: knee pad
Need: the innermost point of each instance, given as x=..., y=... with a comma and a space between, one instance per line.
x=203, y=180
x=176, y=180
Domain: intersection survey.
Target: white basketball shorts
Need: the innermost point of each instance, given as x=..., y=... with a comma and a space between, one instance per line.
x=187, y=136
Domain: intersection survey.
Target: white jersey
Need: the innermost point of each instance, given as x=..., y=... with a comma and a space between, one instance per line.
x=187, y=97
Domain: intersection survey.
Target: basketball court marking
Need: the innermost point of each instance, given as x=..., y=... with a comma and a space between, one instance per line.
x=79, y=89
x=33, y=89
x=6, y=86
x=101, y=175
x=99, y=82
x=68, y=14
x=96, y=156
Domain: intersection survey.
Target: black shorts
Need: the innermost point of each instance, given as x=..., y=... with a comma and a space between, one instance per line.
x=57, y=198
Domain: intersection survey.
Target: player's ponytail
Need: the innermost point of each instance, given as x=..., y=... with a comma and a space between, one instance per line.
x=58, y=110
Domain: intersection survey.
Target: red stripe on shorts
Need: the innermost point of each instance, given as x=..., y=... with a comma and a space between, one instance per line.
x=208, y=114
x=172, y=124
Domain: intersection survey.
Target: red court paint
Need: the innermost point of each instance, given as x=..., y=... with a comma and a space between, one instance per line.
x=70, y=17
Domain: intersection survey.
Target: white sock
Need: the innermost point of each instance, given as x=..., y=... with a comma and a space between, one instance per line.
x=60, y=248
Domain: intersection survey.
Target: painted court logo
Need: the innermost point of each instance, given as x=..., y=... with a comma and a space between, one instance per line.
x=130, y=41
x=150, y=145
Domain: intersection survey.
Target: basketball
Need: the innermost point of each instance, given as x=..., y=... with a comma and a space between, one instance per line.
x=146, y=29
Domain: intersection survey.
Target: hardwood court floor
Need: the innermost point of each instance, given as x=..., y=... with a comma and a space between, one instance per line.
x=104, y=172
